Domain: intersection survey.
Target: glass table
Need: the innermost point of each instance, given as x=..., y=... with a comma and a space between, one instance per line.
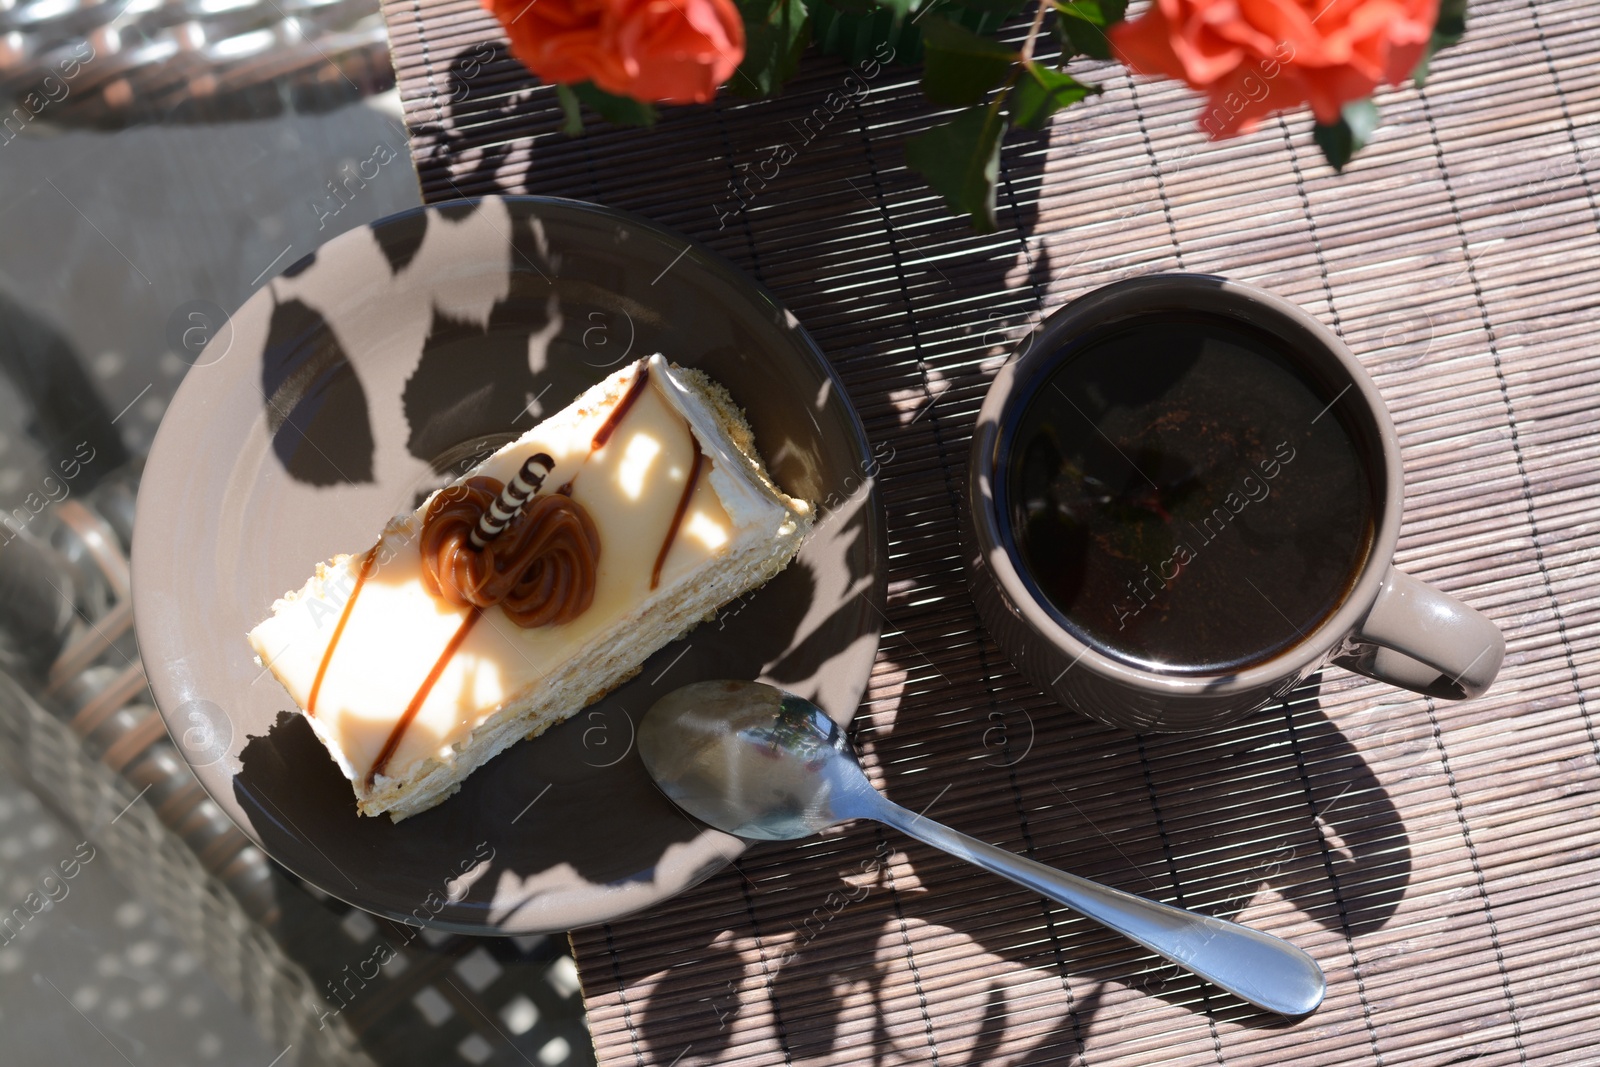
x=159, y=161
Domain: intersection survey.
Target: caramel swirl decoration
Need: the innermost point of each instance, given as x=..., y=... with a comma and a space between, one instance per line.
x=537, y=557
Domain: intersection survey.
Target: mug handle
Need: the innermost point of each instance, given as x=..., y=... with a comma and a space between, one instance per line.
x=1418, y=638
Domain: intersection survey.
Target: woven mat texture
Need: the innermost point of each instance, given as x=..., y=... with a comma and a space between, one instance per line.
x=1441, y=861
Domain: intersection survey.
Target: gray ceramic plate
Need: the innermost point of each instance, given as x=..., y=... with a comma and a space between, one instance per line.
x=368, y=374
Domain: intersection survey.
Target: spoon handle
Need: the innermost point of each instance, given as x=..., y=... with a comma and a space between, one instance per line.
x=1264, y=970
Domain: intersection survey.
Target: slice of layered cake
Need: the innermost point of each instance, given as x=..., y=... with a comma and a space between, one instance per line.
x=532, y=586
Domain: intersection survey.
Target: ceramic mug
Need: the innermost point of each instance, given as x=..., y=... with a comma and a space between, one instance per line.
x=1389, y=626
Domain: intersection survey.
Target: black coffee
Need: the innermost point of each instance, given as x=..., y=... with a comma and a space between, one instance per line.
x=1184, y=497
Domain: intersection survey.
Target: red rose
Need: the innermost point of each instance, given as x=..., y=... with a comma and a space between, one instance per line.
x=672, y=51
x=1254, y=58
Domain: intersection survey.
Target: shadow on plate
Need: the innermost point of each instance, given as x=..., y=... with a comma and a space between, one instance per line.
x=549, y=828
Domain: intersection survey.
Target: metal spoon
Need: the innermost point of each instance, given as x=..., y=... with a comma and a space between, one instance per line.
x=760, y=763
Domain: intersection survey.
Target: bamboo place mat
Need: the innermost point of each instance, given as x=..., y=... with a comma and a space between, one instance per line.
x=1441, y=861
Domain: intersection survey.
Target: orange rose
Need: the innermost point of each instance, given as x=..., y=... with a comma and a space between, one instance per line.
x=672, y=51
x=1254, y=58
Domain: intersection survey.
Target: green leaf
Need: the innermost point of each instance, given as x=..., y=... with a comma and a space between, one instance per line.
x=1043, y=91
x=859, y=36
x=619, y=110
x=573, y=127
x=1003, y=9
x=776, y=32
x=1082, y=24
x=1341, y=140
x=961, y=160
x=1449, y=28
x=1451, y=25
x=901, y=8
x=868, y=34
x=979, y=16
x=958, y=66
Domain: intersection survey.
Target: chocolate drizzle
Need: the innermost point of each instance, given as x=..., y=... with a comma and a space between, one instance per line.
x=683, y=508
x=540, y=569
x=367, y=563
x=618, y=413
x=399, y=730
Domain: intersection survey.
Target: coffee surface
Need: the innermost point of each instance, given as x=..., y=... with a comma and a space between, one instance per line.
x=1184, y=497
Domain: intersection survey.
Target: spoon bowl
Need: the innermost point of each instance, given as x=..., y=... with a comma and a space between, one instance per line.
x=752, y=760
x=763, y=764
